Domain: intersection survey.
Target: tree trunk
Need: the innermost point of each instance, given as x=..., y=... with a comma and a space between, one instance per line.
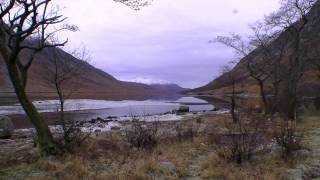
x=63, y=122
x=275, y=99
x=47, y=145
x=266, y=108
x=233, y=105
x=292, y=111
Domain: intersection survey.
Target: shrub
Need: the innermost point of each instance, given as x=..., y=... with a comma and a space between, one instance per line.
x=244, y=139
x=142, y=135
x=187, y=132
x=72, y=136
x=288, y=138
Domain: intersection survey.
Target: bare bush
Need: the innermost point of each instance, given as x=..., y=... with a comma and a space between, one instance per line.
x=142, y=135
x=73, y=136
x=187, y=131
x=243, y=139
x=288, y=138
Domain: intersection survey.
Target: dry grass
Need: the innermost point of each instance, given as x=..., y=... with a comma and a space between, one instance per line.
x=310, y=120
x=266, y=167
x=110, y=157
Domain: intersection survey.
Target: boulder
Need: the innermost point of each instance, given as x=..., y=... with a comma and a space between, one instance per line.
x=216, y=109
x=6, y=127
x=93, y=121
x=183, y=109
x=99, y=119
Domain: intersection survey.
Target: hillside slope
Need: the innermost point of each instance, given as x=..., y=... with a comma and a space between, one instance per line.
x=310, y=85
x=93, y=83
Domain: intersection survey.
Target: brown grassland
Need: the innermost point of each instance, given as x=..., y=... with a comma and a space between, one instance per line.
x=108, y=156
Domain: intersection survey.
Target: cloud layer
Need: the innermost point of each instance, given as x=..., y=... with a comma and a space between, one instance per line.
x=164, y=42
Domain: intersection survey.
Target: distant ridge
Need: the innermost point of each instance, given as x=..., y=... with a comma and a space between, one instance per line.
x=94, y=83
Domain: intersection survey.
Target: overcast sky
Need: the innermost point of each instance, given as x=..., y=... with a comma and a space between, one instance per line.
x=164, y=42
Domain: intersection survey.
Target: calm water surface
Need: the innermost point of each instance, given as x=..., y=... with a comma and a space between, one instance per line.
x=103, y=108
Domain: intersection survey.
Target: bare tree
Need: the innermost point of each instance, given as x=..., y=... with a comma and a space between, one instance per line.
x=280, y=34
x=65, y=77
x=267, y=67
x=292, y=19
x=231, y=79
x=258, y=69
x=28, y=26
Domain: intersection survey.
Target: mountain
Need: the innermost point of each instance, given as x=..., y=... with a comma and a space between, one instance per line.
x=310, y=83
x=93, y=83
x=173, y=88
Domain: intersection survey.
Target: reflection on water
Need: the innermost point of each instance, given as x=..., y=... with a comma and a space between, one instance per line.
x=105, y=108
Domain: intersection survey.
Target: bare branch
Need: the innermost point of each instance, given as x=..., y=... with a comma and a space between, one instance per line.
x=135, y=4
x=29, y=25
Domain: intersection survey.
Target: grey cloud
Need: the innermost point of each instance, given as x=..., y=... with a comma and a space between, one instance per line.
x=166, y=41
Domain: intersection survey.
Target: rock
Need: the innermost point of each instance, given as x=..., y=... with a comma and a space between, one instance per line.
x=97, y=131
x=6, y=127
x=302, y=153
x=216, y=109
x=101, y=126
x=112, y=117
x=183, y=109
x=99, y=119
x=80, y=123
x=168, y=167
x=294, y=174
x=115, y=128
x=107, y=121
x=92, y=121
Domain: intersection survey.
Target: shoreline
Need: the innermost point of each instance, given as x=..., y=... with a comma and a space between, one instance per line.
x=21, y=123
